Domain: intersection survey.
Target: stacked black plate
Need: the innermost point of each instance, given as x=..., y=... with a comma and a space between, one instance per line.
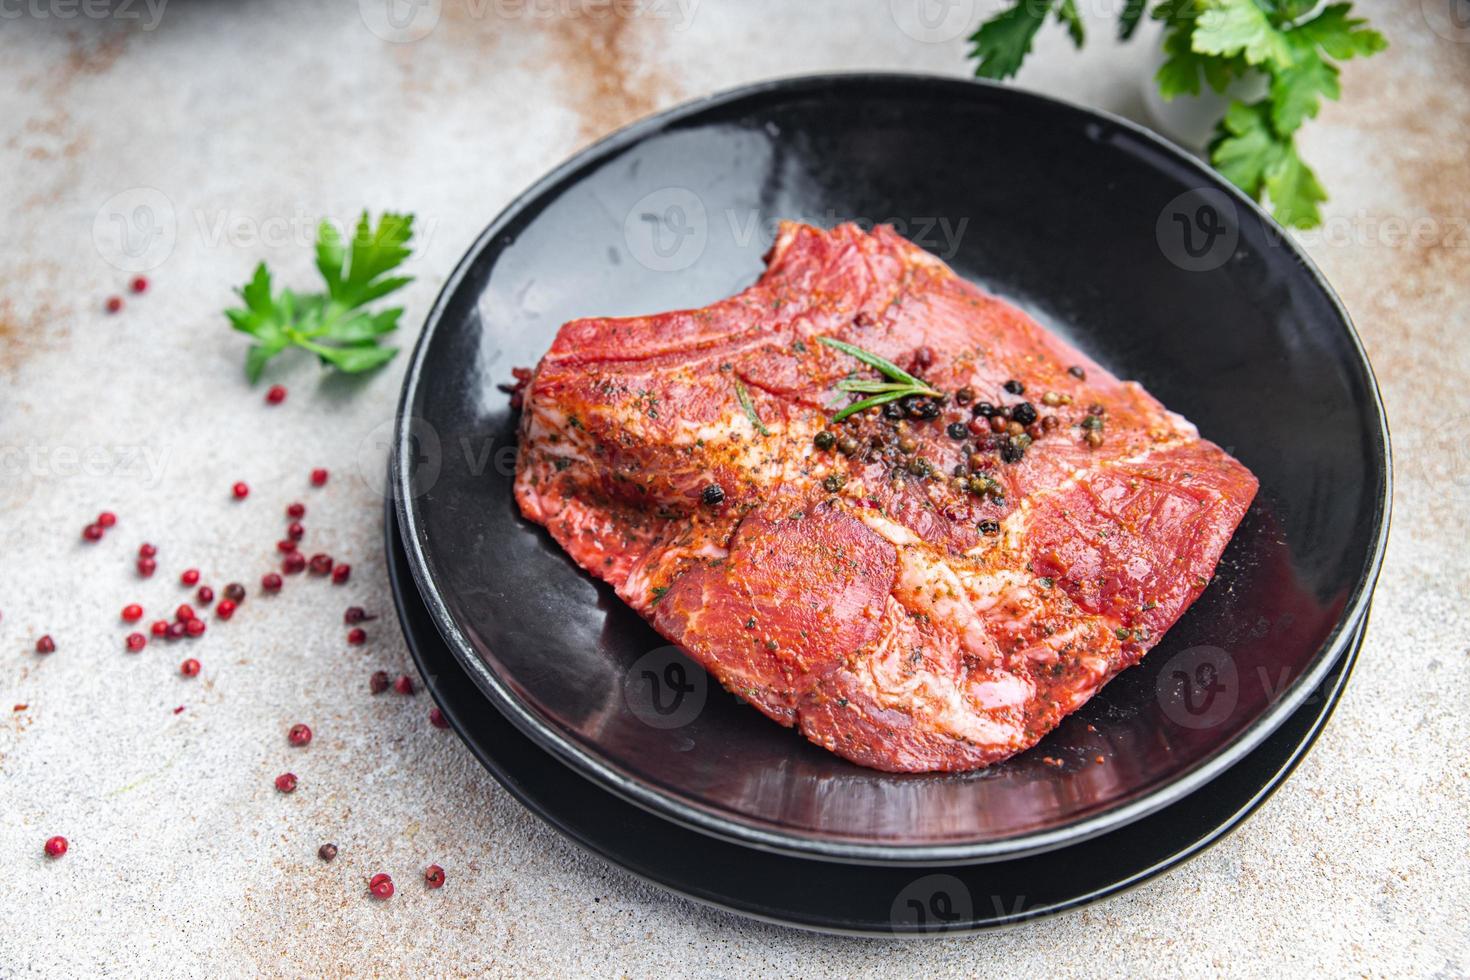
x=1113, y=238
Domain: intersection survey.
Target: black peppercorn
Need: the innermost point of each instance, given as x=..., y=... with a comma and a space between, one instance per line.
x=957, y=430
x=1025, y=413
x=1012, y=452
x=713, y=495
x=989, y=527
x=893, y=410
x=1015, y=387
x=1077, y=373
x=965, y=395
x=847, y=445
x=983, y=409
x=327, y=851
x=824, y=440
x=834, y=482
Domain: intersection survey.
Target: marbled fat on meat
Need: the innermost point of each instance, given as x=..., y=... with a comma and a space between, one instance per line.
x=873, y=598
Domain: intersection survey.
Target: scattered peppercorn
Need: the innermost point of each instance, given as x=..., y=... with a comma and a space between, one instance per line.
x=136, y=642
x=275, y=395
x=194, y=627
x=190, y=576
x=965, y=395
x=241, y=490
x=321, y=564
x=175, y=631
x=1077, y=373
x=92, y=532
x=847, y=445
x=114, y=304
x=139, y=284
x=989, y=527
x=357, y=636
x=341, y=573
x=319, y=478
x=434, y=876
x=957, y=430
x=1015, y=387
x=225, y=609
x=296, y=511
x=147, y=566
x=713, y=495
x=327, y=852
x=295, y=531
x=189, y=668
x=286, y=782
x=132, y=612
x=1011, y=452
x=404, y=684
x=235, y=592
x=379, y=682
x=270, y=582
x=159, y=627
x=56, y=847
x=299, y=735
x=45, y=644
x=293, y=563
x=285, y=546
x=381, y=887
x=834, y=482
x=356, y=614
x=824, y=440
x=437, y=719
x=1024, y=413
x=205, y=595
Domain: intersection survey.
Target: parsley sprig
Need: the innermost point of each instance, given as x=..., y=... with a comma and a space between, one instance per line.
x=901, y=383
x=334, y=325
x=1220, y=41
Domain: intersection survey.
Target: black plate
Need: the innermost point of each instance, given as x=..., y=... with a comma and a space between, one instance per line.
x=1080, y=218
x=846, y=898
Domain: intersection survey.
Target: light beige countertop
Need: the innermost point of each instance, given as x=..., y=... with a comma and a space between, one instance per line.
x=240, y=124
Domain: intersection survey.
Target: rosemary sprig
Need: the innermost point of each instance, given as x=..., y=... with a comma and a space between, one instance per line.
x=901, y=385
x=749, y=407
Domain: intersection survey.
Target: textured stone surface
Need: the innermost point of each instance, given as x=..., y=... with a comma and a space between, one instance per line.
x=253, y=119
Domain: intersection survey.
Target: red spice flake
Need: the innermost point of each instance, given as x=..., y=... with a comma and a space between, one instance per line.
x=114, y=304
x=299, y=735
x=45, y=644
x=437, y=719
x=286, y=782
x=341, y=574
x=319, y=478
x=293, y=563
x=190, y=576
x=404, y=684
x=136, y=642
x=275, y=395
x=20, y=707
x=225, y=609
x=179, y=710
x=381, y=887
x=132, y=612
x=357, y=636
x=55, y=847
x=241, y=490
x=270, y=582
x=189, y=668
x=434, y=876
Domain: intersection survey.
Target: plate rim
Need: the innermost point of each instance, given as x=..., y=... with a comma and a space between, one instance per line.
x=731, y=826
x=1153, y=868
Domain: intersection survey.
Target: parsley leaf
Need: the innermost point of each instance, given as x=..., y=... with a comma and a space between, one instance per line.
x=1231, y=27
x=1341, y=36
x=332, y=325
x=1067, y=14
x=1295, y=92
x=1294, y=190
x=1003, y=41
x=1129, y=18
x=1249, y=153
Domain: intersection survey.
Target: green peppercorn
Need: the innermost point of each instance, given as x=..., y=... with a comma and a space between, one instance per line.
x=907, y=445
x=824, y=440
x=834, y=482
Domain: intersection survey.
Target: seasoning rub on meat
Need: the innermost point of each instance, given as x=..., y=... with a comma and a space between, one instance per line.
x=928, y=583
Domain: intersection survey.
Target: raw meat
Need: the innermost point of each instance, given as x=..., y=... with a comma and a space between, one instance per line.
x=914, y=593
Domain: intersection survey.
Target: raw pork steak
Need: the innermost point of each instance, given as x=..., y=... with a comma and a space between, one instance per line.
x=928, y=585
